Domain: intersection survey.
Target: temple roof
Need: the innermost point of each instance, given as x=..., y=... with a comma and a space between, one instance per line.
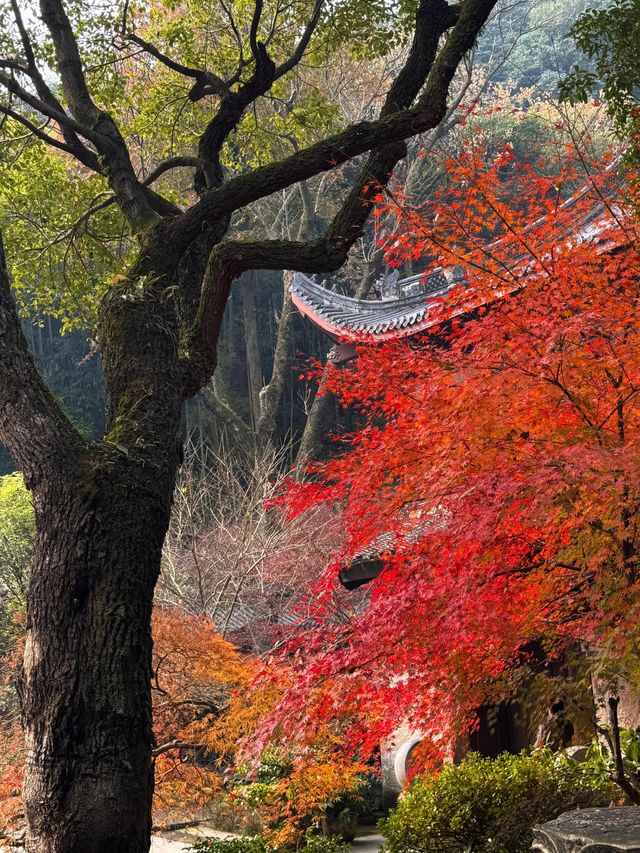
x=406, y=306
x=406, y=314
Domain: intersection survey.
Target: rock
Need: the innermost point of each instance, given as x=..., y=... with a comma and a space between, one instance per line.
x=178, y=842
x=578, y=753
x=614, y=830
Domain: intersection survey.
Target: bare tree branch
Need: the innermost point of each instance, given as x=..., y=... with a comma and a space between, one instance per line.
x=298, y=53
x=175, y=744
x=234, y=104
x=207, y=82
x=619, y=776
x=79, y=150
x=168, y=165
x=60, y=116
x=253, y=32
x=13, y=64
x=38, y=131
x=136, y=203
x=24, y=35
x=69, y=63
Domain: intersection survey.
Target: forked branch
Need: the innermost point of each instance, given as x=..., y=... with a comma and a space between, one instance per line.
x=140, y=206
x=358, y=138
x=230, y=259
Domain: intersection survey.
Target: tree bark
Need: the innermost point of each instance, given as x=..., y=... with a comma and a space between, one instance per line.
x=102, y=511
x=252, y=348
x=316, y=427
x=86, y=702
x=271, y=393
x=225, y=427
x=309, y=227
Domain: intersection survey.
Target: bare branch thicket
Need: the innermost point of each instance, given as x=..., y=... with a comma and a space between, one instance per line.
x=233, y=556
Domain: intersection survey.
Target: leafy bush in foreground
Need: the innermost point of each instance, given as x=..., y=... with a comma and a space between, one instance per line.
x=230, y=845
x=313, y=844
x=486, y=805
x=324, y=844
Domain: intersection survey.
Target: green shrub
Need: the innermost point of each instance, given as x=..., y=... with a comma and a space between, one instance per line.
x=325, y=844
x=231, y=845
x=255, y=794
x=603, y=763
x=273, y=767
x=365, y=801
x=486, y=805
x=312, y=844
x=17, y=535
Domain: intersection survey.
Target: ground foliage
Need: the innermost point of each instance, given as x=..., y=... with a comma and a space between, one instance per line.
x=497, y=454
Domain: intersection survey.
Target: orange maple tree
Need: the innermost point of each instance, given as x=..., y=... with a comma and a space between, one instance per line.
x=499, y=455
x=197, y=676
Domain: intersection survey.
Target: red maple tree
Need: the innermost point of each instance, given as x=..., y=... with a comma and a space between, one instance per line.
x=499, y=455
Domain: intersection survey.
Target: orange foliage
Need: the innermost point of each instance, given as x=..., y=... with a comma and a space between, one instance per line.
x=195, y=673
x=208, y=702
x=301, y=800
x=11, y=769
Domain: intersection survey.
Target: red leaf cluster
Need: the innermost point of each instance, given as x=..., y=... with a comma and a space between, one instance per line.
x=499, y=456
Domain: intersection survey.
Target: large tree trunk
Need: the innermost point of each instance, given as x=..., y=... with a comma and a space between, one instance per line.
x=102, y=511
x=87, y=664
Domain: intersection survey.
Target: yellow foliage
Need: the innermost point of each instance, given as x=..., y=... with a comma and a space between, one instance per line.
x=245, y=711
